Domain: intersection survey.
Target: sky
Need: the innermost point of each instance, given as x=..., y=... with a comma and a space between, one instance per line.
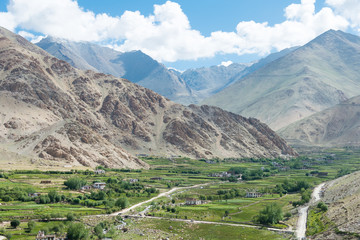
x=185, y=33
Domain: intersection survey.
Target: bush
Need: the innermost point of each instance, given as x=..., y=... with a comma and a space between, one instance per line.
x=15, y=223
x=122, y=202
x=70, y=217
x=322, y=206
x=98, y=230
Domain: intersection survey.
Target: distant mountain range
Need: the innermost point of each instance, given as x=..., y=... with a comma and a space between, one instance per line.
x=335, y=126
x=190, y=86
x=309, y=79
x=59, y=115
x=134, y=66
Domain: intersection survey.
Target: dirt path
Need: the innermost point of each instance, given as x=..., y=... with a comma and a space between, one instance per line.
x=303, y=212
x=164, y=194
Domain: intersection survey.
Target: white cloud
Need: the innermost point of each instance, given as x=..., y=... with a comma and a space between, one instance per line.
x=226, y=64
x=350, y=9
x=7, y=20
x=30, y=36
x=166, y=35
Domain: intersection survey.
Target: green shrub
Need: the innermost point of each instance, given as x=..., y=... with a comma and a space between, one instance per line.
x=75, y=183
x=15, y=223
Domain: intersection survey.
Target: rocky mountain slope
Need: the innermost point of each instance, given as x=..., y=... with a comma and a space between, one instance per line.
x=134, y=66
x=91, y=118
x=343, y=198
x=316, y=76
x=335, y=126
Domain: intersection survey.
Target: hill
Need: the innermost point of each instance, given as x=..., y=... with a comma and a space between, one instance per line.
x=335, y=126
x=50, y=110
x=311, y=78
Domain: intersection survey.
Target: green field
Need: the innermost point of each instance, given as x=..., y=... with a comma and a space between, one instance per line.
x=223, y=201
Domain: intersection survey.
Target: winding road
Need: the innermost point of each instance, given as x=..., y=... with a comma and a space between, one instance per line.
x=303, y=212
x=164, y=194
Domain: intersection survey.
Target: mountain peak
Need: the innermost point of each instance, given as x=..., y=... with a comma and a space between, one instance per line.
x=334, y=38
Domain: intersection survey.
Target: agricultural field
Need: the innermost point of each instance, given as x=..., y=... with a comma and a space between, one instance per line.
x=220, y=198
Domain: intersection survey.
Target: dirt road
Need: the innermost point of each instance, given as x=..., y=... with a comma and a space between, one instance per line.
x=164, y=194
x=303, y=212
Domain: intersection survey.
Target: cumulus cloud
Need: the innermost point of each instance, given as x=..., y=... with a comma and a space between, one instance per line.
x=350, y=9
x=167, y=35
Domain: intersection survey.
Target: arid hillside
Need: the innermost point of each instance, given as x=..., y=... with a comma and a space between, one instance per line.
x=335, y=126
x=343, y=198
x=50, y=110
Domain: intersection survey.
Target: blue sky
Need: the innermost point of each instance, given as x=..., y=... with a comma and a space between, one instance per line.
x=184, y=33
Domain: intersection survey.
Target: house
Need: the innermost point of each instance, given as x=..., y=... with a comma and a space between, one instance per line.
x=156, y=178
x=253, y=194
x=86, y=187
x=132, y=180
x=45, y=182
x=41, y=236
x=32, y=195
x=99, y=171
x=322, y=174
x=142, y=155
x=220, y=175
x=192, y=201
x=99, y=185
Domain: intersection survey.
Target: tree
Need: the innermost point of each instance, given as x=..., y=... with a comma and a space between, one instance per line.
x=15, y=223
x=53, y=196
x=271, y=214
x=75, y=183
x=77, y=231
x=99, y=231
x=31, y=225
x=122, y=202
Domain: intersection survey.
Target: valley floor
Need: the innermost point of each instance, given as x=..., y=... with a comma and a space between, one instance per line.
x=156, y=202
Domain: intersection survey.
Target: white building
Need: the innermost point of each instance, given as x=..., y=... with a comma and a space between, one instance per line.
x=99, y=185
x=99, y=171
x=192, y=201
x=253, y=195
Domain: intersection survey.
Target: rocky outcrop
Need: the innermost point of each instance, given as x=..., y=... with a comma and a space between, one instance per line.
x=92, y=118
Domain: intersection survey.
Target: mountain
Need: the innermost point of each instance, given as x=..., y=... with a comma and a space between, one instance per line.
x=134, y=66
x=52, y=111
x=208, y=80
x=311, y=78
x=335, y=126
